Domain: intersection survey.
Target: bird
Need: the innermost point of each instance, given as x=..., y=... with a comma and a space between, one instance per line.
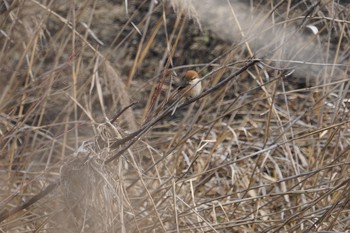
x=190, y=85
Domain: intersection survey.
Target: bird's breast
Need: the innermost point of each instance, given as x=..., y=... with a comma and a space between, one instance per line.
x=196, y=88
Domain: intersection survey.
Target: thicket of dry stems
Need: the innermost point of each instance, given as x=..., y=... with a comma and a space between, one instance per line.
x=90, y=141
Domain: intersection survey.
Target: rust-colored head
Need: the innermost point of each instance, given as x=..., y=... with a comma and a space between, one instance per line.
x=191, y=84
x=191, y=75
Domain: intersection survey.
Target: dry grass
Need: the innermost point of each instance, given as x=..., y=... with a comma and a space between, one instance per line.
x=93, y=141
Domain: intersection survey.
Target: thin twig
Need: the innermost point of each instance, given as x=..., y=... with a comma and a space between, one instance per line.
x=8, y=213
x=121, y=112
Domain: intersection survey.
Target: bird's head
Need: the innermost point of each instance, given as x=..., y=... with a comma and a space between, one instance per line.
x=191, y=75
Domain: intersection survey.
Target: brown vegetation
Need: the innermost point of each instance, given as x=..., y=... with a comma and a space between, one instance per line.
x=92, y=139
